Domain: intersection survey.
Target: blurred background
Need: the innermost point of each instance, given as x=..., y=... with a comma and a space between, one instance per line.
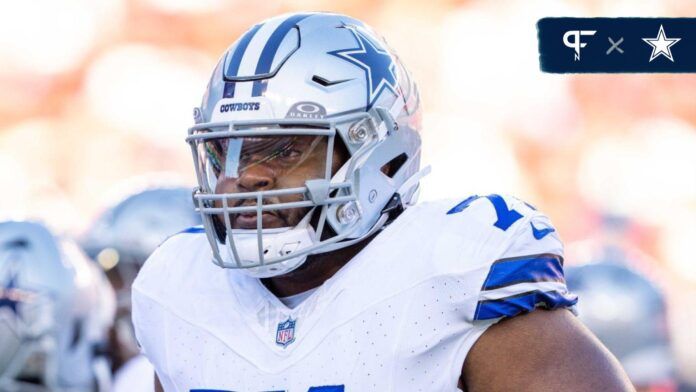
x=97, y=95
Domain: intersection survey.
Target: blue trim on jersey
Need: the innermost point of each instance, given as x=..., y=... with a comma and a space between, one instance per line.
x=193, y=230
x=523, y=303
x=190, y=230
x=270, y=49
x=463, y=205
x=233, y=67
x=506, y=216
x=535, y=268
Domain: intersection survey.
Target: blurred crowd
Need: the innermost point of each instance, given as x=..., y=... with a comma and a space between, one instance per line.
x=96, y=97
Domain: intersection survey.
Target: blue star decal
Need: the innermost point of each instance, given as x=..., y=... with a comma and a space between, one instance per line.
x=380, y=70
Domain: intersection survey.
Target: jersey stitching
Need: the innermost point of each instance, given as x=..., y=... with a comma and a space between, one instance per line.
x=178, y=316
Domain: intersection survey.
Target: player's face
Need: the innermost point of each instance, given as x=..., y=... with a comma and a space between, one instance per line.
x=266, y=163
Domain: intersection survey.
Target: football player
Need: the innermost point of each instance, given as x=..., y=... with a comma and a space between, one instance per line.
x=627, y=312
x=121, y=239
x=56, y=307
x=307, y=151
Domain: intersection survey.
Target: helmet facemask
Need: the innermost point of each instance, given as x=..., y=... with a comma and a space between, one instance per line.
x=272, y=193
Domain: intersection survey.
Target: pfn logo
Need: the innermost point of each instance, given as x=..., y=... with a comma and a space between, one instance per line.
x=576, y=43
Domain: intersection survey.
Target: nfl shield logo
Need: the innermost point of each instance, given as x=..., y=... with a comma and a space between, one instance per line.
x=286, y=332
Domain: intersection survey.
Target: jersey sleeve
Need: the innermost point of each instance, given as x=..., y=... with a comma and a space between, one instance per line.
x=525, y=272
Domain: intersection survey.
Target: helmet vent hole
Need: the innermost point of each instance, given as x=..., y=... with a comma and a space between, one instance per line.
x=392, y=167
x=325, y=82
x=320, y=81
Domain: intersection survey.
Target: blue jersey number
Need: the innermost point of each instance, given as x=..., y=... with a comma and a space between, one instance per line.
x=506, y=216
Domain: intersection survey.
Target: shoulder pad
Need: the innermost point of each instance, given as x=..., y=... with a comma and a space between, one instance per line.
x=521, y=267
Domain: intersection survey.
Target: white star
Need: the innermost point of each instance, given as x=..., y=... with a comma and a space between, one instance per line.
x=661, y=45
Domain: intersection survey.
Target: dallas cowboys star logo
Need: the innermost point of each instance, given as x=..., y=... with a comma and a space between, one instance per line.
x=380, y=70
x=661, y=45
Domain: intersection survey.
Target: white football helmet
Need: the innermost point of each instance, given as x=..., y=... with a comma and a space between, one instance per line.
x=307, y=141
x=627, y=312
x=123, y=237
x=55, y=310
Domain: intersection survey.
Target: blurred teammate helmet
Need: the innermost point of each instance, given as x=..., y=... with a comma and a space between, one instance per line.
x=56, y=307
x=307, y=139
x=126, y=234
x=627, y=313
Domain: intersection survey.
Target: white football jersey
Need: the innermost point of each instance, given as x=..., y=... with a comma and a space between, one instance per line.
x=400, y=316
x=136, y=375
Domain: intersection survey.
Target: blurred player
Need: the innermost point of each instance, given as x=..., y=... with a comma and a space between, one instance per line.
x=627, y=313
x=307, y=151
x=56, y=307
x=120, y=240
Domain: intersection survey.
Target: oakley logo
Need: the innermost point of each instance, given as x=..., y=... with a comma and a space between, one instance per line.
x=576, y=43
x=309, y=110
x=240, y=107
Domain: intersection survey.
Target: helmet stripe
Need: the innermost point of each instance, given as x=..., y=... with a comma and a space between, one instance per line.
x=270, y=49
x=250, y=58
x=236, y=60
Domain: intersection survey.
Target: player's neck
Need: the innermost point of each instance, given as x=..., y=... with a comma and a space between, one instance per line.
x=314, y=272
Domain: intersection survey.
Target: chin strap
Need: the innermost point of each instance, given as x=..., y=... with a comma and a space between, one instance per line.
x=413, y=180
x=391, y=211
x=396, y=206
x=339, y=245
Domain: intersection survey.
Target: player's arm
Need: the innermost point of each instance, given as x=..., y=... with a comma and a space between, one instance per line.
x=531, y=341
x=541, y=351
